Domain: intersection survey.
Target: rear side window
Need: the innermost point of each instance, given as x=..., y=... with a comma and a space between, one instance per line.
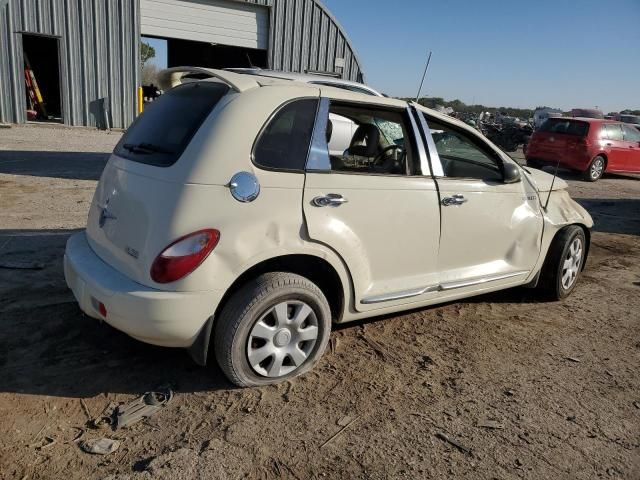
x=565, y=126
x=284, y=142
x=159, y=136
x=614, y=132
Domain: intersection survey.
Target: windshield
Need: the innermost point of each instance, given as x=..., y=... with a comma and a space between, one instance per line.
x=565, y=126
x=159, y=136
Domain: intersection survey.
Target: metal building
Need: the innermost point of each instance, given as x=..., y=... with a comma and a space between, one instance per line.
x=83, y=56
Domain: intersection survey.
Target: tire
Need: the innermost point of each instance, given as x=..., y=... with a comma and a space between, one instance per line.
x=559, y=277
x=256, y=339
x=595, y=170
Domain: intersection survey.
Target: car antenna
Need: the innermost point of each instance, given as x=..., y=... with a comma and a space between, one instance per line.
x=423, y=76
x=555, y=174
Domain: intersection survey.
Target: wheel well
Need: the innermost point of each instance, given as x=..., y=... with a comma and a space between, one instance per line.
x=587, y=236
x=316, y=269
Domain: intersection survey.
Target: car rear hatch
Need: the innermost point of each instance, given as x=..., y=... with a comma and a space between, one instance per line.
x=558, y=138
x=140, y=189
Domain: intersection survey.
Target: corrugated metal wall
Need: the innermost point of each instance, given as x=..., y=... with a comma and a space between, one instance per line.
x=305, y=36
x=99, y=51
x=240, y=24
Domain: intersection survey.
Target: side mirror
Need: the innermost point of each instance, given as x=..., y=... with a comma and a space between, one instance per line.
x=511, y=173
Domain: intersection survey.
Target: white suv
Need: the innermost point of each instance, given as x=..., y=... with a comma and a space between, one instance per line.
x=222, y=222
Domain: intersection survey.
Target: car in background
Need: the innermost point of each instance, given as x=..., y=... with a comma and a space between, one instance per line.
x=542, y=114
x=587, y=113
x=588, y=145
x=633, y=120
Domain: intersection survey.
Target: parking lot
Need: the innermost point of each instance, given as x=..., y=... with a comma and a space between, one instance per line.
x=500, y=386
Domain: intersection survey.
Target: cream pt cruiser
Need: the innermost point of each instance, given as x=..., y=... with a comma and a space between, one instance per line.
x=222, y=223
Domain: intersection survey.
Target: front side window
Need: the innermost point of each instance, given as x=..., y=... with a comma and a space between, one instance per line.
x=462, y=156
x=284, y=142
x=631, y=134
x=377, y=141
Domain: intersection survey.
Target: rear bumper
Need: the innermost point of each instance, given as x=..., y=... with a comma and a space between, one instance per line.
x=169, y=319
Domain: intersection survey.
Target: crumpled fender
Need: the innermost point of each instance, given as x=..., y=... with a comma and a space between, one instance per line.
x=561, y=212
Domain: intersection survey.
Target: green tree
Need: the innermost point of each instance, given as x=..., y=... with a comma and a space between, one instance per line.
x=147, y=52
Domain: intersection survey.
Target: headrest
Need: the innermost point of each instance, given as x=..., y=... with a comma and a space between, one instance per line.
x=366, y=141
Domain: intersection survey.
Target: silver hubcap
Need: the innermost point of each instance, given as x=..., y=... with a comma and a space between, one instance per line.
x=572, y=262
x=282, y=339
x=597, y=168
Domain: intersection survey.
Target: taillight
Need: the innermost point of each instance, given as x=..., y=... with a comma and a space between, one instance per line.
x=183, y=256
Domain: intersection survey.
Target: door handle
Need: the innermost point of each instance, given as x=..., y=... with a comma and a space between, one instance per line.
x=329, y=200
x=457, y=199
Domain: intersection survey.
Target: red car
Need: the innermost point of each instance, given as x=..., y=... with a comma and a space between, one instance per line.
x=588, y=145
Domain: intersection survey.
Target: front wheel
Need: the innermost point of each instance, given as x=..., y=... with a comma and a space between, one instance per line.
x=274, y=328
x=595, y=170
x=564, y=262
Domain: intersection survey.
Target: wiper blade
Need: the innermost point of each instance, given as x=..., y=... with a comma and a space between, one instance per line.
x=145, y=148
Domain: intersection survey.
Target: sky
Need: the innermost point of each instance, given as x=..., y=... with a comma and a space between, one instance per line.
x=517, y=53
x=512, y=53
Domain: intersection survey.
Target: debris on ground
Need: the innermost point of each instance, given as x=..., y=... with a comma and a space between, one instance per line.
x=86, y=410
x=338, y=433
x=101, y=446
x=142, y=407
x=491, y=424
x=455, y=443
x=572, y=359
x=45, y=443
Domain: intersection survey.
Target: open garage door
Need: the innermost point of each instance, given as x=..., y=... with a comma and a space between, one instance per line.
x=222, y=22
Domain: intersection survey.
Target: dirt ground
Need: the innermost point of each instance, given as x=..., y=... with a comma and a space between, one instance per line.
x=525, y=389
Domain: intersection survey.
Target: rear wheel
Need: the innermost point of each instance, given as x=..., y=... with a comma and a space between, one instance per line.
x=596, y=169
x=564, y=263
x=274, y=328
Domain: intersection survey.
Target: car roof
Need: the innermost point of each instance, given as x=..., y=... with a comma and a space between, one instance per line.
x=241, y=82
x=302, y=77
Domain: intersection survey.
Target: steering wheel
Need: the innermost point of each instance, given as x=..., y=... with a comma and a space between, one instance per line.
x=378, y=158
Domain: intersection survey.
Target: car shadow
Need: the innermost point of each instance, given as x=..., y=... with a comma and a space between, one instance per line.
x=614, y=215
x=49, y=347
x=67, y=165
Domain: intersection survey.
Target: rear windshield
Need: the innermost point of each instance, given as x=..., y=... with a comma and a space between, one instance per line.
x=566, y=126
x=159, y=136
